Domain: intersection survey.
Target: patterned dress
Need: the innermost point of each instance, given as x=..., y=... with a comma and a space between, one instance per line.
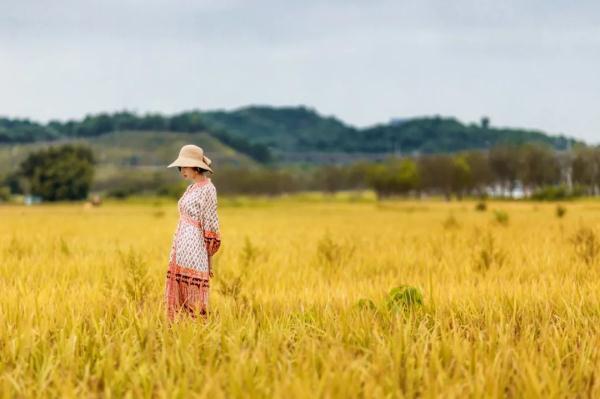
x=196, y=239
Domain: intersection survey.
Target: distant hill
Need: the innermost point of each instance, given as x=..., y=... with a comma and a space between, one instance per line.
x=25, y=131
x=287, y=129
x=281, y=134
x=300, y=129
x=134, y=155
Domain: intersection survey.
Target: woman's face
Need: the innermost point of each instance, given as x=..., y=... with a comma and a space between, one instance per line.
x=187, y=172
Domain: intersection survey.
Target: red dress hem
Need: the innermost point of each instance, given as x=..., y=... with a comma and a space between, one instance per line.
x=186, y=292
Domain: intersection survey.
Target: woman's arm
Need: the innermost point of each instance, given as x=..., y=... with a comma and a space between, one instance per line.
x=210, y=222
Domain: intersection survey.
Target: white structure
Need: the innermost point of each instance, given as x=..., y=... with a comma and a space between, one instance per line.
x=31, y=199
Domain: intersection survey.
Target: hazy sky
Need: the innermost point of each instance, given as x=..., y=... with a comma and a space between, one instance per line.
x=523, y=63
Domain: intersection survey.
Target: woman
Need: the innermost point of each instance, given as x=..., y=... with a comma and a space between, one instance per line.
x=196, y=238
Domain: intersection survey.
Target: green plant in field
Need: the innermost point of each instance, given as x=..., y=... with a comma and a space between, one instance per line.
x=586, y=244
x=488, y=255
x=560, y=211
x=366, y=304
x=501, y=217
x=404, y=297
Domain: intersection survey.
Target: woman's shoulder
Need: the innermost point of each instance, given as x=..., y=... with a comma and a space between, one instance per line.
x=210, y=187
x=204, y=186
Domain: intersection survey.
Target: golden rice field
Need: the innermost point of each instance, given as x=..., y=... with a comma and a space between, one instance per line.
x=511, y=302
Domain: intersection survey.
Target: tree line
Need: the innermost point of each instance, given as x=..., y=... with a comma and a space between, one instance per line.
x=540, y=171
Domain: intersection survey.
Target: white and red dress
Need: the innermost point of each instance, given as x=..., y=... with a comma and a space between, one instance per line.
x=196, y=239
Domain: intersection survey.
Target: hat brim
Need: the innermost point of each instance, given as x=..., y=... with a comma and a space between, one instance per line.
x=188, y=162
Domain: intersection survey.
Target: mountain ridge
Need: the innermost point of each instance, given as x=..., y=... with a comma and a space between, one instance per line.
x=281, y=134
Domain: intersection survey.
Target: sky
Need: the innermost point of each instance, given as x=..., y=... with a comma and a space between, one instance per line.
x=523, y=63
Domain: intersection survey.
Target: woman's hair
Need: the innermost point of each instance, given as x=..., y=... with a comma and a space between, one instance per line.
x=197, y=169
x=202, y=171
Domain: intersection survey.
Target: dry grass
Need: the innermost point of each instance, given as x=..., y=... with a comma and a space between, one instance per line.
x=510, y=310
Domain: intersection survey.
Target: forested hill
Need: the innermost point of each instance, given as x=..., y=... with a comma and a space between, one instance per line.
x=261, y=132
x=303, y=129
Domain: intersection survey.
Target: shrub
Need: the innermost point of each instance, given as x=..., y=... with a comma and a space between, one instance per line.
x=560, y=211
x=481, y=206
x=404, y=298
x=501, y=217
x=60, y=172
x=556, y=193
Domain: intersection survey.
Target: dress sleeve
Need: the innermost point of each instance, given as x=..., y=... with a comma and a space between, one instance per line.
x=210, y=222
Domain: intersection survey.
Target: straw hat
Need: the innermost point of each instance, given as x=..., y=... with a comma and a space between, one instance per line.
x=192, y=155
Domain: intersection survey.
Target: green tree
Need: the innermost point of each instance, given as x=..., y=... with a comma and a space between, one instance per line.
x=586, y=168
x=394, y=177
x=538, y=166
x=504, y=163
x=59, y=173
x=435, y=173
x=462, y=179
x=331, y=178
x=481, y=174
